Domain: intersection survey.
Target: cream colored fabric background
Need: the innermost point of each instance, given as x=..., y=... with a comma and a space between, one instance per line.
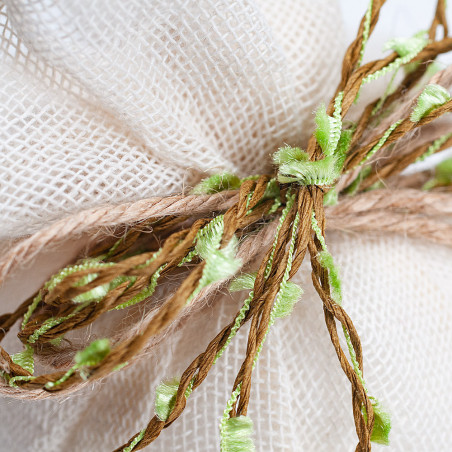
x=115, y=101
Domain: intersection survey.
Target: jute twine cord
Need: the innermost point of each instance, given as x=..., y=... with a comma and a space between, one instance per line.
x=108, y=216
x=249, y=215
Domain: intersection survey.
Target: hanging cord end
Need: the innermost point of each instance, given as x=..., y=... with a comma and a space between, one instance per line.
x=236, y=435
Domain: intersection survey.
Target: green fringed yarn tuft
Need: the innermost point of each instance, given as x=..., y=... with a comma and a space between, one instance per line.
x=407, y=46
x=289, y=294
x=165, y=398
x=432, y=97
x=220, y=263
x=91, y=355
x=443, y=175
x=382, y=425
x=217, y=183
x=328, y=131
x=322, y=132
x=236, y=435
x=295, y=166
x=25, y=359
x=94, y=353
x=245, y=281
x=289, y=154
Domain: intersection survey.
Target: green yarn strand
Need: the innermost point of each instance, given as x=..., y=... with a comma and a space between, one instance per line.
x=90, y=356
x=382, y=425
x=434, y=147
x=306, y=172
x=236, y=435
x=408, y=48
x=134, y=442
x=366, y=32
x=217, y=183
x=243, y=282
x=31, y=309
x=165, y=398
x=381, y=141
x=432, y=97
x=382, y=421
x=443, y=176
x=54, y=321
x=25, y=359
x=94, y=353
x=295, y=164
x=328, y=129
x=221, y=263
x=145, y=293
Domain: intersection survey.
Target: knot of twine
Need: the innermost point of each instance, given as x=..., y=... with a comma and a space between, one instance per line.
x=208, y=236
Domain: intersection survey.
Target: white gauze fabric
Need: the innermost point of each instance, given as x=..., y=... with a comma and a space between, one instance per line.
x=109, y=101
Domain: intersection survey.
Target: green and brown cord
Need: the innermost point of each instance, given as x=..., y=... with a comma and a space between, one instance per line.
x=118, y=274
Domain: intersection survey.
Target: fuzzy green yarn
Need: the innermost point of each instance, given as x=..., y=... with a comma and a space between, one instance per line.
x=288, y=296
x=237, y=435
x=243, y=282
x=433, y=96
x=134, y=442
x=91, y=355
x=328, y=129
x=382, y=420
x=382, y=425
x=443, y=175
x=366, y=32
x=322, y=132
x=409, y=48
x=326, y=261
x=165, y=398
x=25, y=359
x=220, y=263
x=295, y=166
x=435, y=146
x=216, y=183
x=94, y=353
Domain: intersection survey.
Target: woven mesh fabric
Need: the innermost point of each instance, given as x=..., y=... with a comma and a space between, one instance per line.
x=301, y=401
x=103, y=102
x=111, y=101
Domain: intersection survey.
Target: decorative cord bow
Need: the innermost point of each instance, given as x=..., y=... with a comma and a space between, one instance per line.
x=340, y=160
